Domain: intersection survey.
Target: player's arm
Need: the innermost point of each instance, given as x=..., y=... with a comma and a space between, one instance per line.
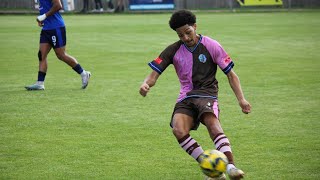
x=236, y=87
x=150, y=81
x=56, y=6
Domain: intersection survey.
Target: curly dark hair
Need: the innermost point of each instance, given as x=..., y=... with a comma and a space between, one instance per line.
x=181, y=18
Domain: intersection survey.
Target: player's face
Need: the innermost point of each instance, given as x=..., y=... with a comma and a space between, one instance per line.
x=188, y=35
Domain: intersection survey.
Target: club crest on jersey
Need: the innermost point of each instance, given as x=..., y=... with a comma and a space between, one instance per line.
x=202, y=58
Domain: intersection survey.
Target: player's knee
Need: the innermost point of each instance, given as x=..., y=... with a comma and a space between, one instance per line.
x=39, y=55
x=60, y=56
x=179, y=132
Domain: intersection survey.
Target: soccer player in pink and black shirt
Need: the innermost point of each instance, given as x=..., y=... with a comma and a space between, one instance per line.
x=196, y=59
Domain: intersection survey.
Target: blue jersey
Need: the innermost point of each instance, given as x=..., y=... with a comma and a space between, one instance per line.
x=51, y=22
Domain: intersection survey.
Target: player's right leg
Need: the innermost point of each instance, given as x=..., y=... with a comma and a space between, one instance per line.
x=181, y=125
x=44, y=49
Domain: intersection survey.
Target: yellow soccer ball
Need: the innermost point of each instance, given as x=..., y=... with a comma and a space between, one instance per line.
x=213, y=163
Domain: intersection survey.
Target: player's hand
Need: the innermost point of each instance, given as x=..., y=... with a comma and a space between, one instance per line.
x=144, y=89
x=40, y=24
x=40, y=19
x=245, y=106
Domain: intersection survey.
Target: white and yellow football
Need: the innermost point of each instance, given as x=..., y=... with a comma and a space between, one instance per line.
x=213, y=163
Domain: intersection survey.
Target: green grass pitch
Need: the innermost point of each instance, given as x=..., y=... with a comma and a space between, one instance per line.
x=109, y=131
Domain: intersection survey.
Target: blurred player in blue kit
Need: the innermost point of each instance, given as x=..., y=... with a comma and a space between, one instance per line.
x=53, y=35
x=196, y=59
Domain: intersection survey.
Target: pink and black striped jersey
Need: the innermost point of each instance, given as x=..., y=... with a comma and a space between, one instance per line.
x=196, y=69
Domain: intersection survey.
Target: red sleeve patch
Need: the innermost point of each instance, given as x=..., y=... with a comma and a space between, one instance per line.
x=158, y=60
x=227, y=60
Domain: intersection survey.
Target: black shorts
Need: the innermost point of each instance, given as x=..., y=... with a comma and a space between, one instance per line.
x=195, y=107
x=55, y=37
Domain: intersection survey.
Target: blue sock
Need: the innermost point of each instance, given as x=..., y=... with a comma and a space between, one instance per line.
x=78, y=69
x=41, y=76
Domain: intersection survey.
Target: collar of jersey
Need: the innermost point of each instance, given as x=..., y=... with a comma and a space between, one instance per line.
x=191, y=50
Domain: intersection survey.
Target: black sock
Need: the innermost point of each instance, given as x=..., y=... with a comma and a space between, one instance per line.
x=41, y=76
x=78, y=69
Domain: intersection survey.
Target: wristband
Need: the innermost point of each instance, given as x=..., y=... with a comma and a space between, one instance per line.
x=42, y=17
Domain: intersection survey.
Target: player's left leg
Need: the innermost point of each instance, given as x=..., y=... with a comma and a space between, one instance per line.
x=63, y=56
x=72, y=62
x=59, y=42
x=221, y=143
